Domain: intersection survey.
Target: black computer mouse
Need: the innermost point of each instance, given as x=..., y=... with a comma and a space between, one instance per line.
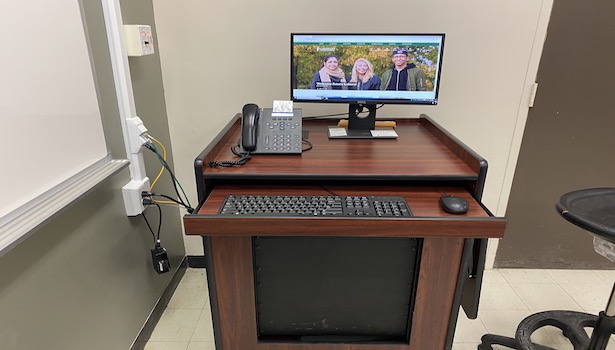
x=454, y=204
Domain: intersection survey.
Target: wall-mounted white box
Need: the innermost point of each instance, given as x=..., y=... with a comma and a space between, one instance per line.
x=139, y=40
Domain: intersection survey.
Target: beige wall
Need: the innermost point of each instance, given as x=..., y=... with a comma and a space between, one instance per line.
x=217, y=56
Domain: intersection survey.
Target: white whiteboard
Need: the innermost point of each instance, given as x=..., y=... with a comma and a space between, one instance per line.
x=51, y=122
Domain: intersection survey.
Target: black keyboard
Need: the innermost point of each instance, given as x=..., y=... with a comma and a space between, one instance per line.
x=380, y=206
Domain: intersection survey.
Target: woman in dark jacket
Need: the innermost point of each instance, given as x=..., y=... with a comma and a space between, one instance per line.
x=330, y=76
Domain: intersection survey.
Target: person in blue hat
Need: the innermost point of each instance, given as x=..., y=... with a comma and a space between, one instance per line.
x=404, y=76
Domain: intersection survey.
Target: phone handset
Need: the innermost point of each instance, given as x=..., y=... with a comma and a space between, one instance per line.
x=249, y=127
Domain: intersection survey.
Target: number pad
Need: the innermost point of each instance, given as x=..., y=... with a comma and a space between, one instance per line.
x=282, y=134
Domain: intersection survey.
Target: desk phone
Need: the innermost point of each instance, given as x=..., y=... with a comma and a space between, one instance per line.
x=266, y=132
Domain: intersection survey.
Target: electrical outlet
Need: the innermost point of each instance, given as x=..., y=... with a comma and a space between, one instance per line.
x=138, y=38
x=133, y=201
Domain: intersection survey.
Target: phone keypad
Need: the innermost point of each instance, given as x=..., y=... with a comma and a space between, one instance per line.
x=284, y=142
x=284, y=135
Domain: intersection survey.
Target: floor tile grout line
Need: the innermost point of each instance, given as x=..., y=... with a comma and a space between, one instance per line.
x=572, y=297
x=591, y=271
x=517, y=294
x=195, y=327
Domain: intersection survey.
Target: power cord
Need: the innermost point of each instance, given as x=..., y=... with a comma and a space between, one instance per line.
x=148, y=195
x=160, y=260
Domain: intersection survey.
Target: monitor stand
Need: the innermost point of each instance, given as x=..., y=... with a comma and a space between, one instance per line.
x=360, y=126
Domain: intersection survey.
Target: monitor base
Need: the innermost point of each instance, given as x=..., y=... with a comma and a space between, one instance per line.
x=344, y=133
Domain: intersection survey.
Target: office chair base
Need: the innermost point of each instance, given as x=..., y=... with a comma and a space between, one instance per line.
x=571, y=323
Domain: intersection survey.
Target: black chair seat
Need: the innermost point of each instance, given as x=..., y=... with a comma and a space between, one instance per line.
x=592, y=209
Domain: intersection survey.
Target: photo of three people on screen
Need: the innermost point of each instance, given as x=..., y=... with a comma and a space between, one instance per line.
x=403, y=75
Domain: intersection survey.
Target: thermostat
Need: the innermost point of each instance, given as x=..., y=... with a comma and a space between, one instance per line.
x=139, y=40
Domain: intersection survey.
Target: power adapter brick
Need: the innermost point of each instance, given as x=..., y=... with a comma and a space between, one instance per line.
x=160, y=260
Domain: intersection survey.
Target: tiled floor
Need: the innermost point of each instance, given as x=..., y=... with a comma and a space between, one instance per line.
x=508, y=296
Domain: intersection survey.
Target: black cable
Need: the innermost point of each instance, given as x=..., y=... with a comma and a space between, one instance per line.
x=310, y=146
x=324, y=116
x=230, y=163
x=236, y=152
x=154, y=236
x=243, y=159
x=159, y=222
x=150, y=228
x=188, y=208
x=329, y=191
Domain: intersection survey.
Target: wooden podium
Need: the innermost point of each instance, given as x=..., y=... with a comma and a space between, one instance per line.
x=245, y=255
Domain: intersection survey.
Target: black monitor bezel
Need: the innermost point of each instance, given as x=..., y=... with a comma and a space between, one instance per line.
x=370, y=101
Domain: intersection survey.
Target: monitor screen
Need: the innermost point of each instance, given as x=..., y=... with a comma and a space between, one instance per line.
x=366, y=68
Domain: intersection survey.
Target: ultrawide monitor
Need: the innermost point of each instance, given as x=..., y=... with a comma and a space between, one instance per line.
x=366, y=68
